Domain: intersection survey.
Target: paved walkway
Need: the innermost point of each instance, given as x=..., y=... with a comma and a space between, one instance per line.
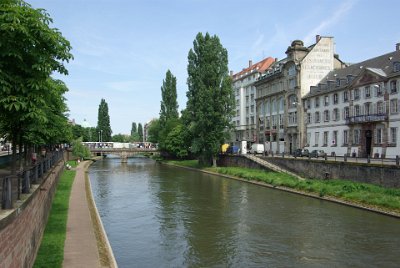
x=80, y=248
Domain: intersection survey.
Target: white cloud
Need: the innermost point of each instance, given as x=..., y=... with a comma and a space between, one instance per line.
x=330, y=21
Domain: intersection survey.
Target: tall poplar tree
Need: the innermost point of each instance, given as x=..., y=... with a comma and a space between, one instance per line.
x=169, y=103
x=140, y=132
x=133, y=129
x=210, y=103
x=103, y=122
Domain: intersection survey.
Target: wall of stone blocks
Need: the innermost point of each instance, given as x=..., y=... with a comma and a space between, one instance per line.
x=387, y=176
x=22, y=229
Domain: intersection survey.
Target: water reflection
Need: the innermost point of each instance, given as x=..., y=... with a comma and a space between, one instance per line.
x=160, y=216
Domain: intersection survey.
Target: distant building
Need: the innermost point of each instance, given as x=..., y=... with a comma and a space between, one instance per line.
x=244, y=119
x=355, y=110
x=280, y=89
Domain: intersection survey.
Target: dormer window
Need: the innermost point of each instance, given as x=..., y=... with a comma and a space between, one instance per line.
x=337, y=82
x=396, y=66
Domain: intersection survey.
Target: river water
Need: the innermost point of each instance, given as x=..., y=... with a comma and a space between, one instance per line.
x=161, y=216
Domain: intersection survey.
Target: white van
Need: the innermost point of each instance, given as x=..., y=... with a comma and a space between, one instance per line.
x=257, y=148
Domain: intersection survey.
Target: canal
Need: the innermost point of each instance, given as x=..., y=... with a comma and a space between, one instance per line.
x=161, y=216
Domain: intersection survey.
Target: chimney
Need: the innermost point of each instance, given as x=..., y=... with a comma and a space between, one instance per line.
x=398, y=47
x=250, y=63
x=231, y=73
x=317, y=38
x=276, y=59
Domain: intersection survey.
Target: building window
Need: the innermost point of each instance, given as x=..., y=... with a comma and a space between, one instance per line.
x=237, y=112
x=292, y=83
x=393, y=135
x=308, y=103
x=380, y=107
x=281, y=121
x=317, y=119
x=345, y=96
x=292, y=101
x=252, y=108
x=393, y=86
x=394, y=106
x=337, y=82
x=335, y=98
x=356, y=137
x=326, y=115
x=316, y=138
x=326, y=134
x=367, y=108
x=345, y=137
x=316, y=102
x=378, y=136
x=367, y=92
x=308, y=138
x=356, y=94
x=396, y=66
x=334, y=138
x=292, y=70
x=326, y=100
x=378, y=90
x=346, y=112
x=357, y=110
x=335, y=114
x=308, y=118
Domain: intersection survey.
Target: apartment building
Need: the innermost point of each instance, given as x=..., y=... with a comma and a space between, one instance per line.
x=244, y=120
x=355, y=110
x=280, y=89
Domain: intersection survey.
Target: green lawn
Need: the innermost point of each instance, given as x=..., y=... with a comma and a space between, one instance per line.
x=363, y=193
x=51, y=251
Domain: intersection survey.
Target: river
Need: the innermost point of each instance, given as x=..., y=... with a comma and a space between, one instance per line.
x=161, y=216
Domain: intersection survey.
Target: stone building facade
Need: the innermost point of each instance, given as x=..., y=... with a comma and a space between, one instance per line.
x=244, y=120
x=355, y=110
x=280, y=119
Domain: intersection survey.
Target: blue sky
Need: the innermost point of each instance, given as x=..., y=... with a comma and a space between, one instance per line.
x=123, y=48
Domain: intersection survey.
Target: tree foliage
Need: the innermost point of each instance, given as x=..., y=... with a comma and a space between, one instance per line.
x=210, y=97
x=140, y=132
x=176, y=142
x=79, y=150
x=154, y=131
x=169, y=104
x=103, y=122
x=32, y=106
x=133, y=129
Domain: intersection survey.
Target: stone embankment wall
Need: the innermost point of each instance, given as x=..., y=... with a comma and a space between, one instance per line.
x=387, y=176
x=21, y=231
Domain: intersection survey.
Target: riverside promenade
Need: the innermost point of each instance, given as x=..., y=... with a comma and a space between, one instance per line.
x=81, y=245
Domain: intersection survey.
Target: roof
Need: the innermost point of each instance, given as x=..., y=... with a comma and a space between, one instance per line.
x=259, y=67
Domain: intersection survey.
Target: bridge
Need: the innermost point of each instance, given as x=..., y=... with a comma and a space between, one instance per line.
x=124, y=152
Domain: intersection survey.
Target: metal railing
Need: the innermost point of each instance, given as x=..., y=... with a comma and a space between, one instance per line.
x=13, y=186
x=366, y=118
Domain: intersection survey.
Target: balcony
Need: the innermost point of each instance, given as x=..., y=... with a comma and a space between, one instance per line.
x=366, y=118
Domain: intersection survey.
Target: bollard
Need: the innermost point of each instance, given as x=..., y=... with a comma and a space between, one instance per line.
x=368, y=159
x=326, y=175
x=283, y=154
x=25, y=182
x=326, y=157
x=6, y=197
x=345, y=157
x=397, y=160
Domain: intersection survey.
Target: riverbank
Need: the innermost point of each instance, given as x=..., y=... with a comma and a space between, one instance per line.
x=360, y=195
x=81, y=240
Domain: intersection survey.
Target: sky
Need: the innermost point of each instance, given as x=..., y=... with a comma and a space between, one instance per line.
x=123, y=48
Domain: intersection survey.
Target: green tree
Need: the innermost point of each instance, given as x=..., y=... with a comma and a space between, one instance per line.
x=133, y=129
x=140, y=132
x=175, y=143
x=154, y=131
x=79, y=150
x=169, y=104
x=103, y=122
x=210, y=97
x=30, y=52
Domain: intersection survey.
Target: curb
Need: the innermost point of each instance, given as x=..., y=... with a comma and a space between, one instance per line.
x=103, y=234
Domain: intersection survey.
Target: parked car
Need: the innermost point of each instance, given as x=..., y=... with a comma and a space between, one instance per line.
x=257, y=148
x=317, y=153
x=301, y=152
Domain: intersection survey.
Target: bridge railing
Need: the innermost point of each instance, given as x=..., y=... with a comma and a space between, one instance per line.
x=13, y=186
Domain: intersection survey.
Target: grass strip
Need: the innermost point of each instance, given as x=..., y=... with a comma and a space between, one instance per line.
x=361, y=193
x=51, y=251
